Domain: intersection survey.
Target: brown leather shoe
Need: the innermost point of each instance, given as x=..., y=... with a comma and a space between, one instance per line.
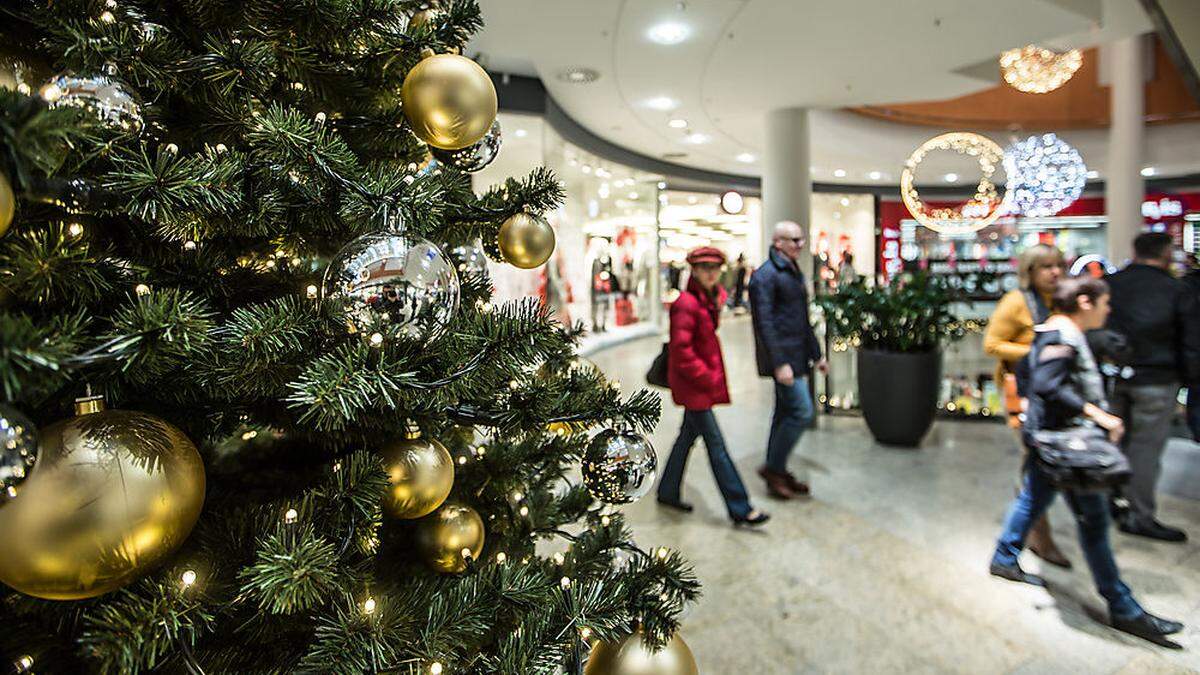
x=777, y=484
x=798, y=487
x=1041, y=543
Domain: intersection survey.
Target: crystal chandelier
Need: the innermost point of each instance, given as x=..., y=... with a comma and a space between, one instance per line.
x=1045, y=175
x=1034, y=70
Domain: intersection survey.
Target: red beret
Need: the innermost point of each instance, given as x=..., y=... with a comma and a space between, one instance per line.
x=706, y=254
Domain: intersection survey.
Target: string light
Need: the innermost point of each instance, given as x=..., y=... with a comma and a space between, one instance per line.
x=559, y=559
x=24, y=664
x=501, y=557
x=369, y=606
x=462, y=460
x=605, y=520
x=585, y=633
x=376, y=339
x=107, y=17
x=290, y=516
x=75, y=229
x=466, y=554
x=311, y=291
x=524, y=510
x=435, y=668
x=517, y=496
x=662, y=553
x=1045, y=175
x=220, y=148
x=189, y=245
x=141, y=289
x=188, y=578
x=983, y=209
x=565, y=583
x=172, y=148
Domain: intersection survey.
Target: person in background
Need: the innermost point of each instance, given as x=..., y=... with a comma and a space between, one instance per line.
x=696, y=375
x=786, y=349
x=1008, y=338
x=1192, y=280
x=1152, y=309
x=1065, y=391
x=737, y=290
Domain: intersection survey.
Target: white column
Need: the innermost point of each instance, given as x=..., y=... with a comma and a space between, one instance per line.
x=1124, y=187
x=787, y=183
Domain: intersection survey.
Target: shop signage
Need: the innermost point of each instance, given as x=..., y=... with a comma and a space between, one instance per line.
x=1163, y=208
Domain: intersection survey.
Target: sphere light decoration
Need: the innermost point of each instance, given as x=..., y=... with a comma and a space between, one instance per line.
x=984, y=207
x=1035, y=70
x=1045, y=175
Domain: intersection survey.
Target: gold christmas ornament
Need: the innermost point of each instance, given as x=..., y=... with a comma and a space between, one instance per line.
x=8, y=204
x=443, y=535
x=631, y=657
x=982, y=209
x=1035, y=70
x=420, y=475
x=449, y=101
x=113, y=493
x=525, y=242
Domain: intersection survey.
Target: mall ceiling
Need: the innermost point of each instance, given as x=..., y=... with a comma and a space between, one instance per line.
x=689, y=81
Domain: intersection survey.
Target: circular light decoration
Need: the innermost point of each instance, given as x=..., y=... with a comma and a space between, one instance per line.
x=984, y=207
x=1045, y=175
x=732, y=202
x=1035, y=70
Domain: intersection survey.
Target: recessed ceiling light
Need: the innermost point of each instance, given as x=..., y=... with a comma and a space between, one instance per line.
x=839, y=173
x=520, y=133
x=696, y=139
x=951, y=177
x=845, y=201
x=669, y=33
x=746, y=158
x=677, y=123
x=874, y=175
x=633, y=195
x=578, y=75
x=586, y=168
x=1093, y=174
x=692, y=199
x=1149, y=171
x=663, y=103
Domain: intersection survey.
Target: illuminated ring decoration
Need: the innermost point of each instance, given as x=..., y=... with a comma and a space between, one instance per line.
x=1045, y=175
x=1035, y=70
x=977, y=213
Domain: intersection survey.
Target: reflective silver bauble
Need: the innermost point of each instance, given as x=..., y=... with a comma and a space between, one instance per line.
x=619, y=466
x=470, y=259
x=394, y=284
x=473, y=157
x=18, y=450
x=112, y=102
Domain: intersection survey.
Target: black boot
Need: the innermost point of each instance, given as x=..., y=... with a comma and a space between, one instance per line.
x=1015, y=573
x=1146, y=626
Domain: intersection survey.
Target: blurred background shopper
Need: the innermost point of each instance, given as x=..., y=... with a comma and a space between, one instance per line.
x=696, y=374
x=1009, y=337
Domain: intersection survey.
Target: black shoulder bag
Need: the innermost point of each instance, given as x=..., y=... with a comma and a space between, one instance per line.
x=657, y=375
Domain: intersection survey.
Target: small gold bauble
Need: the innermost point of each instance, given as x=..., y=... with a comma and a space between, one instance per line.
x=525, y=241
x=8, y=204
x=449, y=101
x=631, y=657
x=422, y=18
x=420, y=475
x=114, y=493
x=442, y=536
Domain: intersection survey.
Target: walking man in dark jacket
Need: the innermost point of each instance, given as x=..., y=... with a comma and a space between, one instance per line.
x=786, y=349
x=1151, y=308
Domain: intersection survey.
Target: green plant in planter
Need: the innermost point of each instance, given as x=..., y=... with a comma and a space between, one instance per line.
x=910, y=314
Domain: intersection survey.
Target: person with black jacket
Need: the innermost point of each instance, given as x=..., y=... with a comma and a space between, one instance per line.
x=1065, y=391
x=786, y=349
x=1152, y=309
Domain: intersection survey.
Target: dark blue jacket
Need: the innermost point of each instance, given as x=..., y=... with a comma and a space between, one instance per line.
x=782, y=331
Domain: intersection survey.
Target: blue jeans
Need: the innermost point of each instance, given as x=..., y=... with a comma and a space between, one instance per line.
x=1193, y=409
x=793, y=414
x=698, y=423
x=1091, y=515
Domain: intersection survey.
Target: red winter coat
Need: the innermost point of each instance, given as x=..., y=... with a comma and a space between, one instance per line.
x=695, y=367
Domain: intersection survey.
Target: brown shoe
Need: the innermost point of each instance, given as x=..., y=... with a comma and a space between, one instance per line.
x=1041, y=543
x=798, y=487
x=777, y=484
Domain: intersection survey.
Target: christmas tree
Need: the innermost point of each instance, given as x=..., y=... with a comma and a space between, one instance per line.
x=261, y=412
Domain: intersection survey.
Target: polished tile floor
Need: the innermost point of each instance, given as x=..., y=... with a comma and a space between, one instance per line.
x=884, y=570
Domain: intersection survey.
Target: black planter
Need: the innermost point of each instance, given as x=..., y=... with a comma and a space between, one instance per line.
x=899, y=392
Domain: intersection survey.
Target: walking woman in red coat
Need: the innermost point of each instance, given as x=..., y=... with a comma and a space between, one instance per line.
x=696, y=374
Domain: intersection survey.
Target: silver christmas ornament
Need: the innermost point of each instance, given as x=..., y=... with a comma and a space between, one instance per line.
x=18, y=450
x=470, y=258
x=473, y=157
x=619, y=466
x=109, y=100
x=394, y=284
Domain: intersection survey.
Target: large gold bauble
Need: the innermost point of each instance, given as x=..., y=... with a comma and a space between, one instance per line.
x=525, y=242
x=8, y=204
x=112, y=495
x=631, y=657
x=420, y=474
x=443, y=535
x=449, y=101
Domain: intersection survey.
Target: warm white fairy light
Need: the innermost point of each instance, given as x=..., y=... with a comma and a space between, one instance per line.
x=524, y=510
x=141, y=289
x=369, y=606
x=501, y=557
x=1045, y=175
x=559, y=559
x=984, y=207
x=24, y=664
x=311, y=292
x=376, y=339
x=435, y=668
x=565, y=583
x=1035, y=70
x=290, y=516
x=75, y=229
x=188, y=578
